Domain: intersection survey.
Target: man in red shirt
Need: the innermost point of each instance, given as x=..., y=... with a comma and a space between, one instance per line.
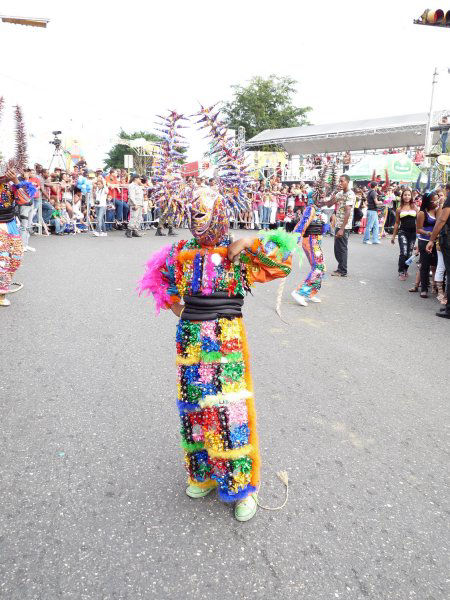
x=122, y=208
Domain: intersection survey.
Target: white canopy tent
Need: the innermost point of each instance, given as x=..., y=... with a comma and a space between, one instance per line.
x=369, y=134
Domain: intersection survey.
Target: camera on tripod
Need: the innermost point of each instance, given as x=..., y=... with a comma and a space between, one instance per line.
x=56, y=141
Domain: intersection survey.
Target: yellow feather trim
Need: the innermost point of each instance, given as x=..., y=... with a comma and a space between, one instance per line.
x=188, y=361
x=230, y=454
x=203, y=484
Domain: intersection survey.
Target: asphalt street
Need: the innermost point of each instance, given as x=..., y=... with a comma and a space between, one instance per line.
x=353, y=401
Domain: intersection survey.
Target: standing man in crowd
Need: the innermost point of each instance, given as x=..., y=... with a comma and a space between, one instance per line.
x=136, y=202
x=372, y=226
x=345, y=200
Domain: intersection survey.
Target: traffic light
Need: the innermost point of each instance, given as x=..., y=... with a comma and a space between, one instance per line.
x=437, y=18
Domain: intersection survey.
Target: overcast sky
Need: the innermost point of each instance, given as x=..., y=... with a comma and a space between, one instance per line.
x=100, y=65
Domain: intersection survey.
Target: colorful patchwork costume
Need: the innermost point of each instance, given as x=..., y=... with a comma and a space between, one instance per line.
x=309, y=230
x=214, y=385
x=11, y=249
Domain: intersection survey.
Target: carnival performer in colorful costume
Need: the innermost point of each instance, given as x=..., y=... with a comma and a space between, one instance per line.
x=309, y=231
x=212, y=274
x=11, y=248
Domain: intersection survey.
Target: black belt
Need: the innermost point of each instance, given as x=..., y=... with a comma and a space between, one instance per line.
x=207, y=308
x=314, y=230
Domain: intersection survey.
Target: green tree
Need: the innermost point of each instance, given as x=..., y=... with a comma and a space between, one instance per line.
x=265, y=104
x=115, y=156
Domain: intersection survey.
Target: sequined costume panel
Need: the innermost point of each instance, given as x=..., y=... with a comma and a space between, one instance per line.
x=214, y=386
x=216, y=406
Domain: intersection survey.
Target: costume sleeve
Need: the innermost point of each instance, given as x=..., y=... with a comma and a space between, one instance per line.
x=270, y=256
x=25, y=190
x=159, y=278
x=304, y=221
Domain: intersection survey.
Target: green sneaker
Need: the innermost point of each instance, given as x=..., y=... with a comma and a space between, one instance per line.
x=194, y=491
x=246, y=509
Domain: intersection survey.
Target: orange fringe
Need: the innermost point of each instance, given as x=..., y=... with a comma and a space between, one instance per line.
x=185, y=255
x=253, y=439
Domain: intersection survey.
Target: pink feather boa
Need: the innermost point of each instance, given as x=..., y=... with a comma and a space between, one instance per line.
x=153, y=281
x=208, y=275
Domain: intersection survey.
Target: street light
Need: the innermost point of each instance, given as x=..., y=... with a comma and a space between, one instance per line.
x=30, y=22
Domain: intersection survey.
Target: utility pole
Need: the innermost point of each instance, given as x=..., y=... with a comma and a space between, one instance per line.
x=428, y=134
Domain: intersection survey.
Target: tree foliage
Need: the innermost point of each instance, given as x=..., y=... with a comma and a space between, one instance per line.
x=115, y=156
x=265, y=104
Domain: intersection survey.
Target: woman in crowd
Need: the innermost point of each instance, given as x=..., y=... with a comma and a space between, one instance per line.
x=100, y=193
x=358, y=213
x=267, y=203
x=440, y=268
x=255, y=202
x=274, y=205
x=281, y=206
x=260, y=201
x=405, y=227
x=426, y=220
x=246, y=215
x=66, y=193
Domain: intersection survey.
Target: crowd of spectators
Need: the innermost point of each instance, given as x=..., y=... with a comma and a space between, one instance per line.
x=82, y=200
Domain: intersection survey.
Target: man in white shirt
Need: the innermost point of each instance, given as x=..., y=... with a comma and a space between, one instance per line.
x=136, y=202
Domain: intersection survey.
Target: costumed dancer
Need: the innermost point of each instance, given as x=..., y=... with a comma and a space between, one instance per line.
x=309, y=231
x=12, y=192
x=170, y=186
x=212, y=274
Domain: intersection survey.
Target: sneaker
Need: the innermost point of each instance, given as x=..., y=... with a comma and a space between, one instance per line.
x=338, y=274
x=96, y=233
x=136, y=233
x=299, y=298
x=195, y=491
x=402, y=276
x=103, y=234
x=4, y=301
x=375, y=242
x=30, y=249
x=315, y=299
x=246, y=509
x=368, y=242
